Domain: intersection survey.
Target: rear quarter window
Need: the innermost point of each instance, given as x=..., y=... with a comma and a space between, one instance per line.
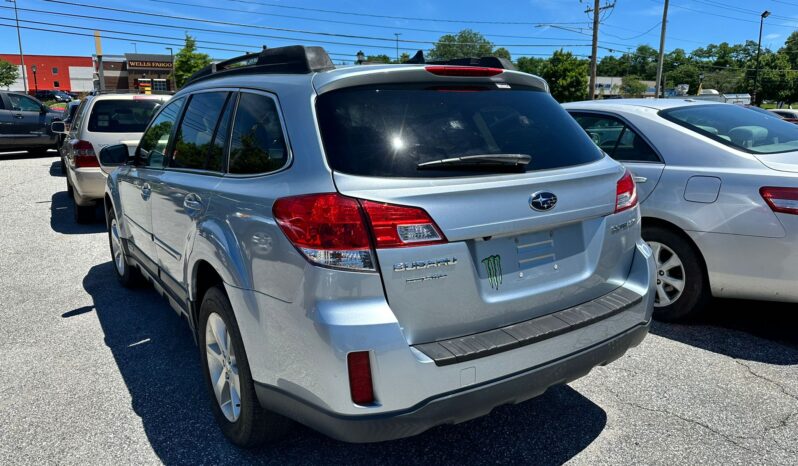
x=387, y=131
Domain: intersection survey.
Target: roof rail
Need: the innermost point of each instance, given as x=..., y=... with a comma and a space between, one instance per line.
x=491, y=62
x=292, y=59
x=127, y=91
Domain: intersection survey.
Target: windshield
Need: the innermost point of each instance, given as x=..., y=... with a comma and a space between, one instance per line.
x=738, y=127
x=122, y=116
x=392, y=131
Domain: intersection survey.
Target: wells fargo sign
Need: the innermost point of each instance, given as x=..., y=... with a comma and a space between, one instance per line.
x=150, y=65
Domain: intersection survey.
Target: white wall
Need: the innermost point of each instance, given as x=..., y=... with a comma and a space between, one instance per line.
x=81, y=78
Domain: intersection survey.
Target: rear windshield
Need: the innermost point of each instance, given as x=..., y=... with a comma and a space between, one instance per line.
x=122, y=116
x=739, y=127
x=388, y=130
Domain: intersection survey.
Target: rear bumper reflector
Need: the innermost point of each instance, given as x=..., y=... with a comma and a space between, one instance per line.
x=478, y=345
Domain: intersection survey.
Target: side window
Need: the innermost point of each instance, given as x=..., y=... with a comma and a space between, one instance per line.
x=195, y=146
x=156, y=138
x=74, y=126
x=257, y=144
x=23, y=103
x=616, y=138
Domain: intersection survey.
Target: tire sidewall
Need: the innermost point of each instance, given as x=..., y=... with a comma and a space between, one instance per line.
x=127, y=279
x=239, y=432
x=695, y=293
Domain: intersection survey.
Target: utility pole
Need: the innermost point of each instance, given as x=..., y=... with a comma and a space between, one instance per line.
x=762, y=17
x=19, y=41
x=397, y=34
x=658, y=87
x=172, y=57
x=596, y=10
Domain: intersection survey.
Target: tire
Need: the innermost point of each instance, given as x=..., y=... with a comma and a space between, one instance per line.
x=127, y=274
x=252, y=425
x=83, y=214
x=678, y=263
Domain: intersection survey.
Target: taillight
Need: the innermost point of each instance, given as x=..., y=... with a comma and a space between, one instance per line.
x=333, y=230
x=625, y=193
x=467, y=71
x=84, y=155
x=360, y=385
x=329, y=229
x=396, y=226
x=782, y=200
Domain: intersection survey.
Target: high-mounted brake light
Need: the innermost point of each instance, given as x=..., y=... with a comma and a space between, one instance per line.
x=333, y=230
x=467, y=71
x=360, y=385
x=782, y=200
x=625, y=193
x=84, y=155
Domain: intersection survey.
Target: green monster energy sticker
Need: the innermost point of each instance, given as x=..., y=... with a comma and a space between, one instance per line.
x=493, y=265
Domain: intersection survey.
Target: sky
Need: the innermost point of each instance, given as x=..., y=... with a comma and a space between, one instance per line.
x=226, y=28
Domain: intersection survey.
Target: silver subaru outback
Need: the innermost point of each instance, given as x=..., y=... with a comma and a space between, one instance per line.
x=376, y=250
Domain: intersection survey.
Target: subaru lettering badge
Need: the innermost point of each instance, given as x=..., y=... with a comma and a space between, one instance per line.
x=542, y=201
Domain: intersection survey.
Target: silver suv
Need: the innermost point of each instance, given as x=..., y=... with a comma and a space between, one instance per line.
x=376, y=250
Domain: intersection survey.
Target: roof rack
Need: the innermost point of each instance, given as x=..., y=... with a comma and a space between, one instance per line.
x=490, y=62
x=292, y=59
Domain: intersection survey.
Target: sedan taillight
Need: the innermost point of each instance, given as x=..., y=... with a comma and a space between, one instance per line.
x=625, y=193
x=84, y=155
x=782, y=200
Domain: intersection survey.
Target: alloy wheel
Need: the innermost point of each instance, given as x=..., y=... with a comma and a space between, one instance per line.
x=670, y=274
x=116, y=248
x=222, y=367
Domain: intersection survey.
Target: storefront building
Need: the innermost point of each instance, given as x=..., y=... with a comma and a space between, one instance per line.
x=64, y=73
x=136, y=71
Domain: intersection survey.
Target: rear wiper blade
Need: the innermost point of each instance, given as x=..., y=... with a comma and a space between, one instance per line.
x=486, y=160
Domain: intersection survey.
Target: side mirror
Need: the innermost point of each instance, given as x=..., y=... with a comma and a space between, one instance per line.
x=58, y=127
x=113, y=156
x=44, y=109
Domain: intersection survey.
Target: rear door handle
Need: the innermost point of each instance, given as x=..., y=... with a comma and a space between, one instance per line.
x=640, y=179
x=145, y=191
x=19, y=116
x=192, y=202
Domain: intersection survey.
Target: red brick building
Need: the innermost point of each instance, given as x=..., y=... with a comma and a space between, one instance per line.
x=65, y=73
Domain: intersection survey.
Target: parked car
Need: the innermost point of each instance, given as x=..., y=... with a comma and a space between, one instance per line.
x=787, y=113
x=718, y=187
x=100, y=121
x=67, y=117
x=368, y=253
x=56, y=95
x=25, y=124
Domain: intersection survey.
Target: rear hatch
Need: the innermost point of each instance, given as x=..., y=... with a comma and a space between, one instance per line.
x=121, y=121
x=507, y=252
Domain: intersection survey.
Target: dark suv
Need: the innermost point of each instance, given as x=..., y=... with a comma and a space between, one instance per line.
x=25, y=123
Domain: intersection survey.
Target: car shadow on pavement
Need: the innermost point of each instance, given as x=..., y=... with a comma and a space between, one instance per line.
x=62, y=217
x=749, y=330
x=159, y=362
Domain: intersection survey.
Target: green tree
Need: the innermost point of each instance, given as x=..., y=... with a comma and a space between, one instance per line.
x=378, y=59
x=631, y=86
x=188, y=61
x=404, y=57
x=790, y=50
x=466, y=43
x=567, y=76
x=8, y=73
x=502, y=52
x=531, y=65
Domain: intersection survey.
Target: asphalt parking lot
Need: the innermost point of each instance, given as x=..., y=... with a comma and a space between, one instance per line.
x=93, y=373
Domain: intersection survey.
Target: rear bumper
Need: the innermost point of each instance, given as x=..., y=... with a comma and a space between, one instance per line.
x=88, y=183
x=454, y=407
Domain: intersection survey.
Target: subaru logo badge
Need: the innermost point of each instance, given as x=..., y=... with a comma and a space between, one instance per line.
x=542, y=201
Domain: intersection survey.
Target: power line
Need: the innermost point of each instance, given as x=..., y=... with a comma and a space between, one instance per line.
x=405, y=18
x=296, y=31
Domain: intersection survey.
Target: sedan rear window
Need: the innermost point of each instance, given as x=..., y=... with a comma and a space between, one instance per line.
x=122, y=116
x=396, y=131
x=739, y=127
